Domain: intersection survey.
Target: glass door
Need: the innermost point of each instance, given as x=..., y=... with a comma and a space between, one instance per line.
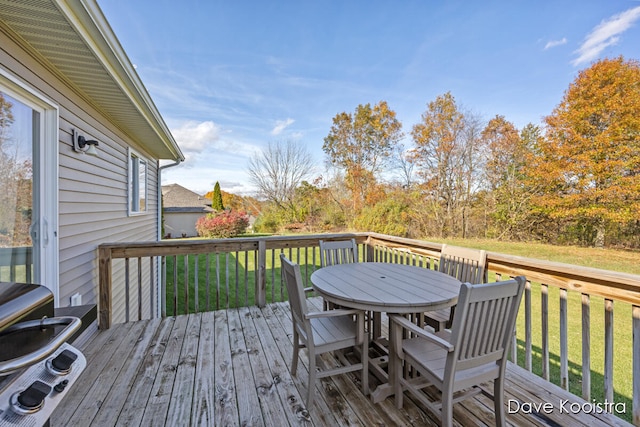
x=28, y=177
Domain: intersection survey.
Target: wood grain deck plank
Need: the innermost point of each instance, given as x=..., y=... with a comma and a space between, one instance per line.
x=155, y=413
x=154, y=362
x=285, y=385
x=134, y=408
x=249, y=408
x=272, y=403
x=96, y=360
x=202, y=413
x=226, y=405
x=321, y=414
x=325, y=389
x=120, y=391
x=96, y=395
x=179, y=412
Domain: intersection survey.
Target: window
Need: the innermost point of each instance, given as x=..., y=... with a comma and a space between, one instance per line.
x=137, y=183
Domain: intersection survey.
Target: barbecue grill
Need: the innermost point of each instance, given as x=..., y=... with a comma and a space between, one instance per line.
x=37, y=365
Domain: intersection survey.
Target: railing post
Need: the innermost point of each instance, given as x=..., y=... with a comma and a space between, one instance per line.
x=104, y=288
x=261, y=279
x=636, y=365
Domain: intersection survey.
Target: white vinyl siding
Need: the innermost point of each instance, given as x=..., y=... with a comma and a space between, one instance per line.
x=92, y=191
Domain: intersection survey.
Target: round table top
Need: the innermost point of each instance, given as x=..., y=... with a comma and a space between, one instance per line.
x=392, y=288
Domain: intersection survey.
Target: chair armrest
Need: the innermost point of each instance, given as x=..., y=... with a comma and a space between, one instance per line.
x=420, y=332
x=309, y=289
x=333, y=313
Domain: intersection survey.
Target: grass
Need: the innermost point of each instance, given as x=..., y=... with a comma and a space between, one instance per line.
x=231, y=287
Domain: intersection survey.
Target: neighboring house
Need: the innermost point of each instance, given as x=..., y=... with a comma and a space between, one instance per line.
x=64, y=74
x=181, y=209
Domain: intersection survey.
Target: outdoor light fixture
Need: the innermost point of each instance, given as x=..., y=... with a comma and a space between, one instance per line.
x=83, y=145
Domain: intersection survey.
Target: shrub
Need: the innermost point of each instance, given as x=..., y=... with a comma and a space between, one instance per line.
x=222, y=224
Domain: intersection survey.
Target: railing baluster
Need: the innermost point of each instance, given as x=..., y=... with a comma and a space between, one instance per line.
x=126, y=289
x=163, y=287
x=608, y=349
x=527, y=327
x=635, y=312
x=139, y=288
x=185, y=259
x=152, y=274
x=196, y=294
x=226, y=280
x=208, y=280
x=586, y=348
x=175, y=285
x=217, y=280
x=545, y=330
x=564, y=348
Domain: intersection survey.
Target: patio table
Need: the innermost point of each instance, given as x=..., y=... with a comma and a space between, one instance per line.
x=383, y=287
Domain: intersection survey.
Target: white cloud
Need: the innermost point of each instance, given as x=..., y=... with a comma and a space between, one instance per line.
x=281, y=125
x=194, y=137
x=554, y=43
x=607, y=33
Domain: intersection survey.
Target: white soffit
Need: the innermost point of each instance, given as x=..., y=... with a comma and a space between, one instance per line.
x=77, y=44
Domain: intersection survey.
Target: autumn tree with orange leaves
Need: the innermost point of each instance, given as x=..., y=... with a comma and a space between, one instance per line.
x=506, y=175
x=446, y=154
x=361, y=144
x=589, y=162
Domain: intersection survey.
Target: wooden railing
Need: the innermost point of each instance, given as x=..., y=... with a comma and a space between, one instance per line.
x=558, y=300
x=16, y=264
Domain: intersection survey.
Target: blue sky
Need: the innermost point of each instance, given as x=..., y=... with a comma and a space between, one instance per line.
x=229, y=77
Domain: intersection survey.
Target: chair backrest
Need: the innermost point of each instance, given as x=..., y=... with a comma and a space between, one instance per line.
x=484, y=322
x=465, y=264
x=297, y=301
x=338, y=252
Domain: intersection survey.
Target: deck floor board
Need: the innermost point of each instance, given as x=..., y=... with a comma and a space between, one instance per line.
x=232, y=367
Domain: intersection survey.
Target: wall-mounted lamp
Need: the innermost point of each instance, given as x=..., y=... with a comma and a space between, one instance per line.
x=83, y=145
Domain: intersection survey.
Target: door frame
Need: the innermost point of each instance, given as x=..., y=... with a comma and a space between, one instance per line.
x=46, y=267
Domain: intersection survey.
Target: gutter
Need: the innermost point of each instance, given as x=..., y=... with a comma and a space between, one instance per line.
x=161, y=302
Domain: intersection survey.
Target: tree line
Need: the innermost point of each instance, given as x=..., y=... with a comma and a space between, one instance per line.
x=574, y=179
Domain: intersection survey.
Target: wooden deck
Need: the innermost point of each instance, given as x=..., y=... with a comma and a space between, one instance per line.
x=232, y=368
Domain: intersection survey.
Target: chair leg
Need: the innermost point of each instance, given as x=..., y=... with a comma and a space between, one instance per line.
x=365, y=366
x=498, y=400
x=312, y=380
x=296, y=350
x=446, y=412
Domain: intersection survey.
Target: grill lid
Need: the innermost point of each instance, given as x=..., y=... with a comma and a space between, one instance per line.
x=18, y=301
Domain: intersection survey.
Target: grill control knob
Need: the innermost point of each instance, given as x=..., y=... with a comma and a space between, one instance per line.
x=32, y=399
x=61, y=364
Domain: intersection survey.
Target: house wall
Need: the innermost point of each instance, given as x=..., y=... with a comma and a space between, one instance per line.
x=92, y=190
x=179, y=223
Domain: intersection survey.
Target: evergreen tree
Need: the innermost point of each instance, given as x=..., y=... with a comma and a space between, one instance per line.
x=216, y=200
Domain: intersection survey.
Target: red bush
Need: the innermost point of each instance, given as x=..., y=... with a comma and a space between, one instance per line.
x=222, y=224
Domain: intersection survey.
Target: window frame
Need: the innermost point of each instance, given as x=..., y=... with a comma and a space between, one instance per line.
x=134, y=160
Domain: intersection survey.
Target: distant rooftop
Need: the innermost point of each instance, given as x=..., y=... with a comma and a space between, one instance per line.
x=176, y=198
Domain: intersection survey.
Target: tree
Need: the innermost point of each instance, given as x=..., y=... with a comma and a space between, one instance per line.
x=447, y=143
x=361, y=144
x=278, y=171
x=216, y=200
x=589, y=163
x=508, y=154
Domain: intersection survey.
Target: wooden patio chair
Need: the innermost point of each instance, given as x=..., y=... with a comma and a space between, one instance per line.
x=458, y=360
x=466, y=265
x=322, y=332
x=338, y=252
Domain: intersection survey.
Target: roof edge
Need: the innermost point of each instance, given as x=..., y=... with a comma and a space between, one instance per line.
x=91, y=24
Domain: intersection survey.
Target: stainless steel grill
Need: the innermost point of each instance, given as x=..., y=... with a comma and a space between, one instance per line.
x=37, y=365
